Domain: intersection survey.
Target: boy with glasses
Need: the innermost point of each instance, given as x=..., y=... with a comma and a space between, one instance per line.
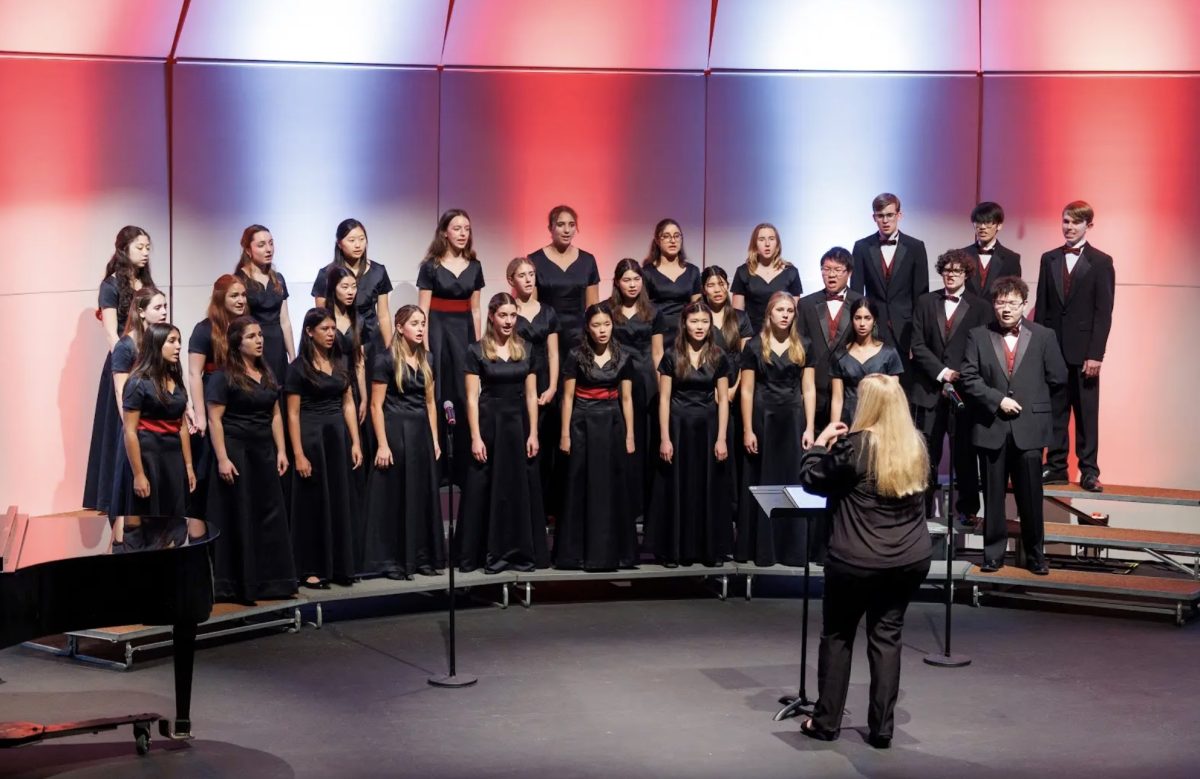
x=992, y=260
x=824, y=318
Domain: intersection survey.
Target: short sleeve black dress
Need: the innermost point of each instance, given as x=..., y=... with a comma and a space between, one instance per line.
x=106, y=422
x=596, y=528
x=404, y=519
x=634, y=336
x=254, y=558
x=671, y=296
x=758, y=291
x=371, y=284
x=451, y=330
x=565, y=291
x=264, y=303
x=778, y=420
x=161, y=448
x=535, y=334
x=201, y=343
x=690, y=519
x=501, y=522
x=124, y=356
x=845, y=367
x=322, y=505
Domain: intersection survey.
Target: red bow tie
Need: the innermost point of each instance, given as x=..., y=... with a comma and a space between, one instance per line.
x=951, y=298
x=887, y=241
x=1014, y=330
x=839, y=296
x=1072, y=250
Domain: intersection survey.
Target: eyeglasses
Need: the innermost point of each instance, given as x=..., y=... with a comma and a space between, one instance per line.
x=884, y=215
x=834, y=270
x=671, y=237
x=954, y=272
x=1007, y=305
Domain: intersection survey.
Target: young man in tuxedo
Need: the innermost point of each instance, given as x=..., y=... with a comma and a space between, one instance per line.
x=824, y=318
x=893, y=270
x=941, y=323
x=992, y=260
x=1010, y=368
x=1076, y=287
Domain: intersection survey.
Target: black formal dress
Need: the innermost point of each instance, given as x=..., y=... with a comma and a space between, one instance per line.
x=879, y=554
x=124, y=356
x=938, y=344
x=758, y=291
x=1012, y=445
x=634, y=337
x=690, y=519
x=322, y=505
x=366, y=431
x=371, y=284
x=669, y=297
x=254, y=558
x=106, y=423
x=201, y=343
x=827, y=334
x=501, y=523
x=1077, y=305
x=1001, y=262
x=565, y=291
x=847, y=368
x=733, y=430
x=596, y=529
x=404, y=520
x=535, y=334
x=451, y=330
x=162, y=450
x=264, y=304
x=779, y=423
x=895, y=287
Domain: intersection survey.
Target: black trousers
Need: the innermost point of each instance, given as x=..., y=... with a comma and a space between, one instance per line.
x=883, y=596
x=934, y=424
x=1024, y=466
x=1079, y=396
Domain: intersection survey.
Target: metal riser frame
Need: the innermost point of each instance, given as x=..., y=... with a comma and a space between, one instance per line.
x=1182, y=611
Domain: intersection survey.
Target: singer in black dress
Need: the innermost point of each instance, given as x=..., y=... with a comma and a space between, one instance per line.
x=404, y=518
x=374, y=284
x=863, y=355
x=501, y=522
x=671, y=281
x=567, y=277
x=690, y=518
x=596, y=529
x=324, y=437
x=731, y=329
x=245, y=498
x=763, y=274
x=266, y=296
x=778, y=402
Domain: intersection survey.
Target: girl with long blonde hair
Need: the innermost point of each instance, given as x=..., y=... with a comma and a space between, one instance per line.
x=763, y=274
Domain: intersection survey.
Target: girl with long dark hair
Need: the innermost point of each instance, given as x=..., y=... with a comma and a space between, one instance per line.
x=156, y=438
x=245, y=498
x=266, y=296
x=127, y=271
x=374, y=285
x=763, y=274
x=323, y=432
x=863, y=353
x=501, y=522
x=596, y=529
x=671, y=281
x=690, y=519
x=404, y=519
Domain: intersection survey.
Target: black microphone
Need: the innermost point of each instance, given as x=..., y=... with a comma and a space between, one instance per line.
x=948, y=391
x=448, y=409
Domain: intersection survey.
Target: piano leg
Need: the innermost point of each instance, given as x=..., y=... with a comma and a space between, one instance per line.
x=184, y=637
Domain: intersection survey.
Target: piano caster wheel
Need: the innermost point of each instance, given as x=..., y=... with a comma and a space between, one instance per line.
x=141, y=737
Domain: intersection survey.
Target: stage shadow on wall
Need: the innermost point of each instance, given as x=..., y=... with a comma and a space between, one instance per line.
x=76, y=406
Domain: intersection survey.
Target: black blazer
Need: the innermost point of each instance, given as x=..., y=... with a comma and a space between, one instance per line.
x=1038, y=367
x=813, y=316
x=932, y=351
x=1083, y=319
x=1004, y=262
x=897, y=299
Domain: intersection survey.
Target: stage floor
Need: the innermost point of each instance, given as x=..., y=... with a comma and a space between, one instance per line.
x=650, y=680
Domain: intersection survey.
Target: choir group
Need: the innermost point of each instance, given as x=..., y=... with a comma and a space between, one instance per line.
x=322, y=462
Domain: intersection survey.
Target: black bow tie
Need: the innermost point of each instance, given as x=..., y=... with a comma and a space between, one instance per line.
x=988, y=252
x=1072, y=250
x=839, y=296
x=887, y=241
x=1014, y=330
x=951, y=298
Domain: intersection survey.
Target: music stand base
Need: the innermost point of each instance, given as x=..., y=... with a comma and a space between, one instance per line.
x=794, y=705
x=947, y=661
x=456, y=680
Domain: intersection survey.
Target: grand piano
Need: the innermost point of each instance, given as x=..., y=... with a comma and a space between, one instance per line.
x=63, y=573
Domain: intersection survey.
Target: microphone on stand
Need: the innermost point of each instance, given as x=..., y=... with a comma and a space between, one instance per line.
x=448, y=409
x=948, y=392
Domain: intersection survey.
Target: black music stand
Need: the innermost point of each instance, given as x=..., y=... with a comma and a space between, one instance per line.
x=780, y=502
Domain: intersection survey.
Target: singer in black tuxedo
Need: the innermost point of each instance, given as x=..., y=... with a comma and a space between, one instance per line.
x=1010, y=367
x=826, y=331
x=992, y=259
x=941, y=324
x=1075, y=300
x=895, y=286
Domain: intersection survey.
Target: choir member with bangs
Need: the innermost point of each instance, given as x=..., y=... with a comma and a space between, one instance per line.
x=404, y=519
x=340, y=295
x=671, y=281
x=825, y=321
x=266, y=297
x=374, y=284
x=596, y=529
x=731, y=330
x=245, y=498
x=764, y=273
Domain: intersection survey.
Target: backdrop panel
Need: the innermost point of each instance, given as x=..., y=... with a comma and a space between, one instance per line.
x=298, y=149
x=618, y=34
x=809, y=152
x=115, y=28
x=374, y=32
x=877, y=35
x=1086, y=35
x=625, y=150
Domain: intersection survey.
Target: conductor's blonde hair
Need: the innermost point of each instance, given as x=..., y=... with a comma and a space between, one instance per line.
x=897, y=459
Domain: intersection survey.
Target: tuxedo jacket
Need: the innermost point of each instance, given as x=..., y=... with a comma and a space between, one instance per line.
x=896, y=298
x=1083, y=318
x=813, y=322
x=1037, y=369
x=1004, y=262
x=932, y=350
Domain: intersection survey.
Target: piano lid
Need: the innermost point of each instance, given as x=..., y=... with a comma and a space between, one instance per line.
x=39, y=540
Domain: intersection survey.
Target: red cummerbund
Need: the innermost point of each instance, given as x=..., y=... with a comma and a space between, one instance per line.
x=210, y=367
x=596, y=393
x=164, y=426
x=449, y=305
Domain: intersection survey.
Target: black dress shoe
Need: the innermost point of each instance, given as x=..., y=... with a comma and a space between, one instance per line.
x=1091, y=483
x=1039, y=568
x=879, y=742
x=1054, y=477
x=991, y=566
x=820, y=735
x=320, y=584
